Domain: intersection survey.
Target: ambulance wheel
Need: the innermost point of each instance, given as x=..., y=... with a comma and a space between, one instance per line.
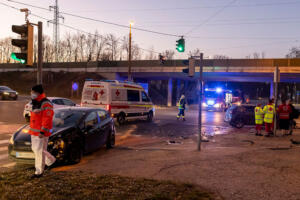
x=150, y=116
x=121, y=119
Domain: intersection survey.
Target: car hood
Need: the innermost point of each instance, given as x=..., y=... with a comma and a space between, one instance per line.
x=23, y=135
x=8, y=91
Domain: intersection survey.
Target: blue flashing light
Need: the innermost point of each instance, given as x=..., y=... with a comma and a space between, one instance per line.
x=75, y=86
x=206, y=89
x=219, y=90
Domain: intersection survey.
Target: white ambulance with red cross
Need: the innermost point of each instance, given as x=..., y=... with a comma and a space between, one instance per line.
x=124, y=100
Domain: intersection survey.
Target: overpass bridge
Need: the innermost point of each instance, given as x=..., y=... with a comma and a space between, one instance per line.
x=231, y=70
x=246, y=70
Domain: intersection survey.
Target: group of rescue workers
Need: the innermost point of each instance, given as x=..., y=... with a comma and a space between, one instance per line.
x=286, y=113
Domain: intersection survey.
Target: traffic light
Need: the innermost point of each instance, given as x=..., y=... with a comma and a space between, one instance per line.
x=25, y=43
x=191, y=69
x=180, y=45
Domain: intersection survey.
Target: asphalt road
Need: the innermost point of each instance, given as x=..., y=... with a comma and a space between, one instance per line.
x=164, y=125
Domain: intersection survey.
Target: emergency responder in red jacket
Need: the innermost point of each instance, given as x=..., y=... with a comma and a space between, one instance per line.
x=284, y=111
x=40, y=129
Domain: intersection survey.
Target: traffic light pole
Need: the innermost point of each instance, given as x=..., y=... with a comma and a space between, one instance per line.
x=40, y=54
x=200, y=103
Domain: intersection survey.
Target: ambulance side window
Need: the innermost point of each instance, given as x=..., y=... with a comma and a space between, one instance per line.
x=133, y=95
x=145, y=97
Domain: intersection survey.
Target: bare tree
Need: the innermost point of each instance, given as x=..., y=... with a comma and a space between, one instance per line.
x=220, y=57
x=112, y=46
x=151, y=55
x=100, y=42
x=195, y=52
x=294, y=52
x=169, y=54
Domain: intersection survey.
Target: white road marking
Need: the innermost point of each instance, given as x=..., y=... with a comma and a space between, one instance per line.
x=4, y=141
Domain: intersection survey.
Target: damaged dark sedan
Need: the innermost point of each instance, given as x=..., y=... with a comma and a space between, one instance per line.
x=76, y=131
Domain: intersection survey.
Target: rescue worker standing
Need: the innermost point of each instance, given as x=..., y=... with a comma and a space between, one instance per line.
x=259, y=119
x=181, y=108
x=284, y=112
x=40, y=129
x=269, y=112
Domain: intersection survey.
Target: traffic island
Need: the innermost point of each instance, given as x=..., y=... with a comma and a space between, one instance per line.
x=81, y=185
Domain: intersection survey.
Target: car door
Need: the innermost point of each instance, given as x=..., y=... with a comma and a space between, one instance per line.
x=104, y=126
x=91, y=132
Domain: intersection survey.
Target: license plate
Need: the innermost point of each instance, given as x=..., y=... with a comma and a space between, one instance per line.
x=24, y=155
x=12, y=94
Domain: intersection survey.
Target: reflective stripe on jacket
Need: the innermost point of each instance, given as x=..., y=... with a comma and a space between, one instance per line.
x=259, y=115
x=41, y=116
x=269, y=112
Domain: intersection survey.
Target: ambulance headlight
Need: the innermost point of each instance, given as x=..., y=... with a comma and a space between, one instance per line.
x=204, y=104
x=217, y=105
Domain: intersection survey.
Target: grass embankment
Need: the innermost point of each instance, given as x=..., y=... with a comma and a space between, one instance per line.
x=80, y=185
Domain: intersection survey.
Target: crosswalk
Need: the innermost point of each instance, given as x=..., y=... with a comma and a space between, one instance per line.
x=5, y=162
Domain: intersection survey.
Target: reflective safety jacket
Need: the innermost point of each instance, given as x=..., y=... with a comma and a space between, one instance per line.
x=259, y=113
x=181, y=104
x=269, y=112
x=41, y=116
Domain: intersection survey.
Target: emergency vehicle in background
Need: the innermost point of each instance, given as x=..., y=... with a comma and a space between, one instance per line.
x=122, y=99
x=217, y=99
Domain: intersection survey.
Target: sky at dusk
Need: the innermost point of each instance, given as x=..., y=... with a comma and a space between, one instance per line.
x=238, y=30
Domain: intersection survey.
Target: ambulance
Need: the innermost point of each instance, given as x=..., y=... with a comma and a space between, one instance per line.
x=123, y=99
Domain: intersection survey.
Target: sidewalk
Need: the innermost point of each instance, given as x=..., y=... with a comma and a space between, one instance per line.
x=238, y=165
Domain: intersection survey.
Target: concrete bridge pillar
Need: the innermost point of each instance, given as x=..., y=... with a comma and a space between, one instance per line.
x=271, y=89
x=170, y=89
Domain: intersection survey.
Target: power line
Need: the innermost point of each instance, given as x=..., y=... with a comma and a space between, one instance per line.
x=101, y=21
x=194, y=8
x=211, y=17
x=71, y=27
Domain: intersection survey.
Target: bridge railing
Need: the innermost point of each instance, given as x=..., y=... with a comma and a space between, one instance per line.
x=169, y=63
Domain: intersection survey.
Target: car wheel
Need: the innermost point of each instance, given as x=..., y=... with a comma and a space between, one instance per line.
x=27, y=118
x=75, y=154
x=239, y=124
x=150, y=116
x=110, y=142
x=121, y=119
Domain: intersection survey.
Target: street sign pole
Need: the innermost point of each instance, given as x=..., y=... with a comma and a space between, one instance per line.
x=200, y=81
x=40, y=54
x=276, y=80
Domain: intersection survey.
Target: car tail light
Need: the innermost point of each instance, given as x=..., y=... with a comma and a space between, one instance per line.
x=108, y=108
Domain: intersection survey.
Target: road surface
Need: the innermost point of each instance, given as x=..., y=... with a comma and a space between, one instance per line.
x=164, y=125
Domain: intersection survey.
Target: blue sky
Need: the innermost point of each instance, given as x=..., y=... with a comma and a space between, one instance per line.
x=245, y=27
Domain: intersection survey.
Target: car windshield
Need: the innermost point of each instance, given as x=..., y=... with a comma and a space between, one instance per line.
x=4, y=88
x=211, y=94
x=63, y=118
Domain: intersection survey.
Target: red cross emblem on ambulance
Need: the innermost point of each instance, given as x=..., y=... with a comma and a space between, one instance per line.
x=101, y=92
x=117, y=93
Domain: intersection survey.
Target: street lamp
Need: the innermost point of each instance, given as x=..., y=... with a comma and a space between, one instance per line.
x=129, y=66
x=130, y=38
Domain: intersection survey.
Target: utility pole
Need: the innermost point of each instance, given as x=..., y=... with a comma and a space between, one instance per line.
x=40, y=54
x=55, y=22
x=129, y=54
x=200, y=81
x=276, y=80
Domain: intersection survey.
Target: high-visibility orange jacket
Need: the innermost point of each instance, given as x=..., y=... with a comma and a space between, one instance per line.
x=41, y=116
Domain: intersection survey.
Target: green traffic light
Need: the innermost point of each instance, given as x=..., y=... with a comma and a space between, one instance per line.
x=14, y=57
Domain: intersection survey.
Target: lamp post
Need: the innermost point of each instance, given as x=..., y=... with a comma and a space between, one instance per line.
x=129, y=56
